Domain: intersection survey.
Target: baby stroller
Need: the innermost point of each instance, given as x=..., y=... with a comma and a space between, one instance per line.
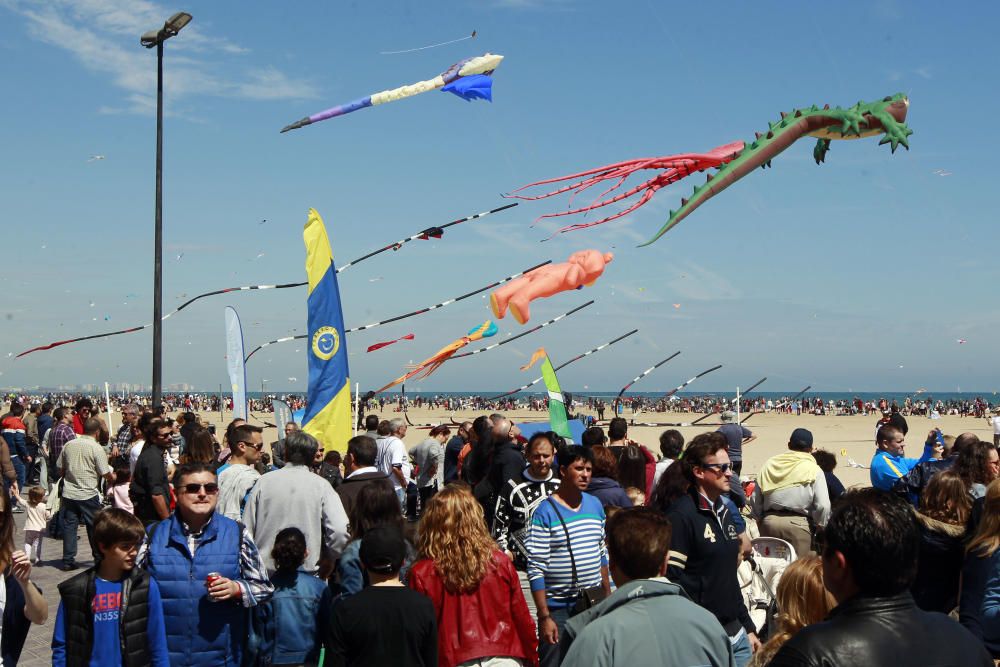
x=759, y=576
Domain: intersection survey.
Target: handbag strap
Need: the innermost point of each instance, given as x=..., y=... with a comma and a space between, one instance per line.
x=572, y=561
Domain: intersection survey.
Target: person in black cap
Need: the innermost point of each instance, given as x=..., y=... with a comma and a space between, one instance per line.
x=791, y=500
x=386, y=623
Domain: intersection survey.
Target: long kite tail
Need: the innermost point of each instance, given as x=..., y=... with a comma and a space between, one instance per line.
x=639, y=377
x=430, y=232
x=520, y=335
x=421, y=311
x=744, y=393
x=574, y=359
x=779, y=405
x=701, y=374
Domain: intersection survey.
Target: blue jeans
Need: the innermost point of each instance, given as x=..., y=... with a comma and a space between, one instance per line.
x=20, y=471
x=73, y=512
x=548, y=654
x=741, y=651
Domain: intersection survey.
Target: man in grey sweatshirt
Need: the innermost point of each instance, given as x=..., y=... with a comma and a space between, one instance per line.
x=295, y=496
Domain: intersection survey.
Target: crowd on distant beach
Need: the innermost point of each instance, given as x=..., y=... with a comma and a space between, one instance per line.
x=480, y=546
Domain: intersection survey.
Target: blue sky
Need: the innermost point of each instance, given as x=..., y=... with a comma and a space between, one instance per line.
x=860, y=274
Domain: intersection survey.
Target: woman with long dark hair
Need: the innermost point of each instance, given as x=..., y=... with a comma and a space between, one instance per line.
x=376, y=505
x=944, y=513
x=481, y=615
x=977, y=465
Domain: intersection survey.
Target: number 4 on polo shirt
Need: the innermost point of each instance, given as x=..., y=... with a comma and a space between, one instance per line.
x=709, y=534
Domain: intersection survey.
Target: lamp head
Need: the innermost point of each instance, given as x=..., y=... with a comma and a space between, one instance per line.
x=173, y=26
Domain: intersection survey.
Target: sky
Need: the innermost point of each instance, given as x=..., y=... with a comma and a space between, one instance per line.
x=857, y=275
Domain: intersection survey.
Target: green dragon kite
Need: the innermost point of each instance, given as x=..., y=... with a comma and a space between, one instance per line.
x=734, y=161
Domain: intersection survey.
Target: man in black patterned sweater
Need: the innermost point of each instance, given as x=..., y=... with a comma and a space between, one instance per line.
x=517, y=501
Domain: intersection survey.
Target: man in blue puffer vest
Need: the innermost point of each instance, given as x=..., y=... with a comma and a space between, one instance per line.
x=206, y=625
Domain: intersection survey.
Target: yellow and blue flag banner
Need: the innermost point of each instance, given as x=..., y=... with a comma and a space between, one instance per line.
x=328, y=415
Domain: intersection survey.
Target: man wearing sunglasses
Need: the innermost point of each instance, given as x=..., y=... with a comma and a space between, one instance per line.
x=705, y=545
x=238, y=475
x=209, y=571
x=150, y=489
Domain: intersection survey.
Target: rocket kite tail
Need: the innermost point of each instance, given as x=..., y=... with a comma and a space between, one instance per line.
x=639, y=377
x=414, y=312
x=392, y=246
x=478, y=65
x=525, y=333
x=573, y=360
x=703, y=373
x=742, y=394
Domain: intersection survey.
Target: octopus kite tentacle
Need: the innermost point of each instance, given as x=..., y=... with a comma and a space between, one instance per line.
x=429, y=233
x=676, y=167
x=410, y=314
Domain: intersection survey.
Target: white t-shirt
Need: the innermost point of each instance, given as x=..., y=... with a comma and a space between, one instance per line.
x=996, y=425
x=392, y=454
x=133, y=454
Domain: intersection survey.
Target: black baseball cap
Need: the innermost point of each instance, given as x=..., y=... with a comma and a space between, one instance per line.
x=803, y=437
x=383, y=549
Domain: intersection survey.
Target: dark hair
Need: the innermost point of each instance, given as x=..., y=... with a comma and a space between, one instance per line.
x=638, y=541
x=673, y=484
x=375, y=505
x=549, y=437
x=972, y=461
x=150, y=429
x=701, y=447
x=884, y=432
x=201, y=447
x=963, y=441
x=617, y=428
x=187, y=469
x=59, y=413
x=826, y=461
x=300, y=448
x=122, y=475
x=230, y=428
x=605, y=463
x=440, y=429
x=477, y=463
x=46, y=407
x=879, y=537
x=371, y=423
x=243, y=433
x=16, y=409
x=593, y=436
x=113, y=526
x=332, y=457
x=289, y=550
x=632, y=468
x=363, y=449
x=384, y=428
x=899, y=422
x=570, y=454
x=84, y=403
x=671, y=443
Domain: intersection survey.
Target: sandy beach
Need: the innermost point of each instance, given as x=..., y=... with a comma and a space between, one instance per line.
x=846, y=436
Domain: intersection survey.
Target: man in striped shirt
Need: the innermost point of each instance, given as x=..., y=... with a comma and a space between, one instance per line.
x=566, y=549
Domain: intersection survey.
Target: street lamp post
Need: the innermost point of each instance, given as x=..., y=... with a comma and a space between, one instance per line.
x=149, y=40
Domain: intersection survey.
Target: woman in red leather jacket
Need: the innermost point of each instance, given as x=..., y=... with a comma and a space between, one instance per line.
x=481, y=611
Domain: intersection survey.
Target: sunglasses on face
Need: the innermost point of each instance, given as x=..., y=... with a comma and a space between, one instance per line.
x=163, y=435
x=722, y=468
x=210, y=489
x=250, y=444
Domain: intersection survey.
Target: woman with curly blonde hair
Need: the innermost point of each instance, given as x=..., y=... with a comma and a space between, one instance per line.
x=481, y=612
x=802, y=601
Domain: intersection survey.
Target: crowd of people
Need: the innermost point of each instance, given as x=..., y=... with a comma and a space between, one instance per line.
x=480, y=546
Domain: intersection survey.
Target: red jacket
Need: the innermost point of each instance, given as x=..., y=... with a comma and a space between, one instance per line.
x=491, y=621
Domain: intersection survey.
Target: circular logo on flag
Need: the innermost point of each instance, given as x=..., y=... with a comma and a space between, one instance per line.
x=325, y=342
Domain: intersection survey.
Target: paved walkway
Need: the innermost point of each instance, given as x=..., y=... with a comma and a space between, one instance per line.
x=37, y=651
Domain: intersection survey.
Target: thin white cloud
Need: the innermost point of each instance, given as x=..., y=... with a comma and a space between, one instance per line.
x=103, y=35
